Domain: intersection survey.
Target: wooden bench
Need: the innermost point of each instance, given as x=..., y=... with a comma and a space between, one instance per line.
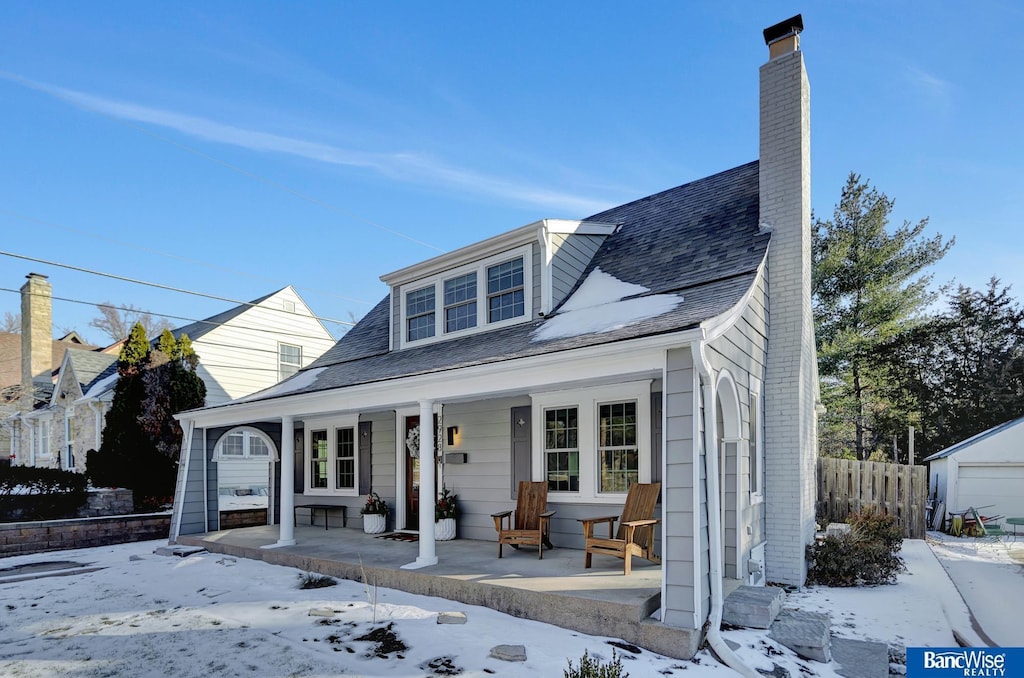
x=313, y=508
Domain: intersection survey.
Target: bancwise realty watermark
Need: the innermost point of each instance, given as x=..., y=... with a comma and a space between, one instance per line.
x=943, y=662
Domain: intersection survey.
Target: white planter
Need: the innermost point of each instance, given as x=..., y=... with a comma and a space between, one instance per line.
x=444, y=529
x=374, y=523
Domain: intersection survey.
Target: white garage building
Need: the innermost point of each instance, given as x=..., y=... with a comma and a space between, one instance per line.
x=984, y=470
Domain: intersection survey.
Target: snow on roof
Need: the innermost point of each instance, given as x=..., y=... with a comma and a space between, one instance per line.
x=600, y=305
x=295, y=383
x=102, y=385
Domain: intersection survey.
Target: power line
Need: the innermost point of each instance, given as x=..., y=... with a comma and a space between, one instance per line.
x=56, y=92
x=170, y=255
x=168, y=287
x=260, y=330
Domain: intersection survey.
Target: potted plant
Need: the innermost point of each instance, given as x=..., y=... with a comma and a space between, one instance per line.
x=375, y=514
x=446, y=510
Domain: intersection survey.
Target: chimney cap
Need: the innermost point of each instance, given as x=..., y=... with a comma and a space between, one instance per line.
x=791, y=26
x=36, y=275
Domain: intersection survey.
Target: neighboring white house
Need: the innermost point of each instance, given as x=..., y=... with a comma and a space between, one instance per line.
x=986, y=470
x=669, y=339
x=242, y=350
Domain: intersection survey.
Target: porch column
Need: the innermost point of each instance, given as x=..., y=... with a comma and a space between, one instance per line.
x=287, y=533
x=428, y=491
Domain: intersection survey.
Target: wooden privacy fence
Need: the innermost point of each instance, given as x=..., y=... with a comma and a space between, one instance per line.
x=847, y=486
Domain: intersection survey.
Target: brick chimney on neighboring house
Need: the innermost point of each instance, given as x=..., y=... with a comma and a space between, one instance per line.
x=36, y=332
x=791, y=370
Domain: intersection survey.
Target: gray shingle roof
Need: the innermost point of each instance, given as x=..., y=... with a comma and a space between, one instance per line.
x=964, y=444
x=91, y=366
x=699, y=240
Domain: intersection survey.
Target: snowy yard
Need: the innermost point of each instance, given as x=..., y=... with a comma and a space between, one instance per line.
x=214, y=615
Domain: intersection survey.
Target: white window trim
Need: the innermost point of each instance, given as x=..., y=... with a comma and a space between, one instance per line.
x=248, y=431
x=281, y=363
x=587, y=401
x=755, y=394
x=331, y=425
x=482, y=325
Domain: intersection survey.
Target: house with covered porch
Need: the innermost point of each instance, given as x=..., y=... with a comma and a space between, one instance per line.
x=669, y=340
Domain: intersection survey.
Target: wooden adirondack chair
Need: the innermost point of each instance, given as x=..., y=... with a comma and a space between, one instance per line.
x=635, y=536
x=532, y=523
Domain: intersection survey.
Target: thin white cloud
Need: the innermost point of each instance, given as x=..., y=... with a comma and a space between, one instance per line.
x=405, y=166
x=932, y=84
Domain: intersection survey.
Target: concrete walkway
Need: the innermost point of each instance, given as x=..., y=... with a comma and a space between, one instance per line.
x=990, y=577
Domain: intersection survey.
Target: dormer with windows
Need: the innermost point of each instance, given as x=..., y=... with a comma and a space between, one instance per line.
x=505, y=280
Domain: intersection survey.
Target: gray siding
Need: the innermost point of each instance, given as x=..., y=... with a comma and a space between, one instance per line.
x=191, y=495
x=396, y=318
x=742, y=351
x=382, y=466
x=678, y=490
x=483, y=483
x=536, y=266
x=569, y=257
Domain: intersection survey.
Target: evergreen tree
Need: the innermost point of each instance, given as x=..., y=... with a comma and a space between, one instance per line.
x=868, y=287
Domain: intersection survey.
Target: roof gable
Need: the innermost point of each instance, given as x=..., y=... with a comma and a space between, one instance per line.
x=964, y=444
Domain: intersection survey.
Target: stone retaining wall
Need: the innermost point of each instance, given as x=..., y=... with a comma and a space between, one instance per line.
x=57, y=535
x=242, y=518
x=107, y=502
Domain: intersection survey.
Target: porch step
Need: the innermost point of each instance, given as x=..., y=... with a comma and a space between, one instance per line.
x=860, y=658
x=806, y=633
x=753, y=607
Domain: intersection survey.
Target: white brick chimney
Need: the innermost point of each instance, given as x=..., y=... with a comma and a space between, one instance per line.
x=791, y=392
x=36, y=331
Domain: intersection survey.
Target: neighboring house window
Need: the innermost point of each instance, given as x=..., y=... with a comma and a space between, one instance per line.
x=460, y=302
x=419, y=313
x=756, y=446
x=592, y=444
x=41, y=439
x=562, y=449
x=69, y=441
x=332, y=456
x=617, y=450
x=506, y=296
x=471, y=298
x=242, y=443
x=289, y=360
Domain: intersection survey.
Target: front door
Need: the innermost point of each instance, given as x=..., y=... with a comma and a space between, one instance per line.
x=412, y=480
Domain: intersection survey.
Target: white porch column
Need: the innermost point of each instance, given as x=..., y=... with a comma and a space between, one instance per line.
x=428, y=490
x=287, y=533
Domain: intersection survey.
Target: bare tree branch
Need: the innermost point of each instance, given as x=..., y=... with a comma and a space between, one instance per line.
x=117, y=321
x=11, y=323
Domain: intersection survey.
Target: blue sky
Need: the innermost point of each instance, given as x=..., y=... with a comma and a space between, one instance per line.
x=232, y=148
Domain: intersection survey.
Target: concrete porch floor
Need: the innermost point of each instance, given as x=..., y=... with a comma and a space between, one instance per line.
x=556, y=590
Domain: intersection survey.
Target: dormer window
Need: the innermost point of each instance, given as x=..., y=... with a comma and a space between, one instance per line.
x=492, y=292
x=460, y=302
x=506, y=297
x=419, y=313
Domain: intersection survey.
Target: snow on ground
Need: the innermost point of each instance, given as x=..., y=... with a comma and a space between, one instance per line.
x=232, y=502
x=214, y=615
x=989, y=573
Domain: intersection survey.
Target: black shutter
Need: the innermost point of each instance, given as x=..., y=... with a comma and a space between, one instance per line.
x=656, y=438
x=522, y=452
x=300, y=463
x=365, y=455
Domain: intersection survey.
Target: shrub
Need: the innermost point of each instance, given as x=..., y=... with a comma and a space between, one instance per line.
x=374, y=504
x=867, y=555
x=315, y=581
x=595, y=668
x=30, y=493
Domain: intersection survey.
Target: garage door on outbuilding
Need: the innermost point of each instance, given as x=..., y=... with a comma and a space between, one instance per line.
x=984, y=470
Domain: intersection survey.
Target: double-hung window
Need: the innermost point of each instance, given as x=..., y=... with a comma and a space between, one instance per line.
x=460, y=302
x=562, y=449
x=419, y=313
x=755, y=444
x=506, y=295
x=592, y=444
x=289, y=360
x=617, y=449
x=332, y=456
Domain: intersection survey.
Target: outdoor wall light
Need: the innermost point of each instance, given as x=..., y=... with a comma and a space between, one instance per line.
x=452, y=432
